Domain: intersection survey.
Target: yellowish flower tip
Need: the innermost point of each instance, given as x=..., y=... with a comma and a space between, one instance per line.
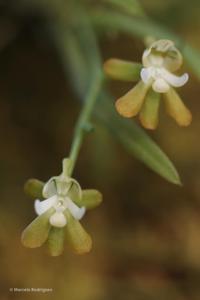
x=79, y=240
x=122, y=70
x=91, y=198
x=108, y=66
x=130, y=104
x=55, y=242
x=33, y=188
x=177, y=109
x=150, y=109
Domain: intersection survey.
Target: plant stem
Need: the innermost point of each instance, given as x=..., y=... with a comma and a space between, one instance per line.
x=82, y=125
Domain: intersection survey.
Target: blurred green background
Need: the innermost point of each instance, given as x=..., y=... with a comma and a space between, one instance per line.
x=146, y=234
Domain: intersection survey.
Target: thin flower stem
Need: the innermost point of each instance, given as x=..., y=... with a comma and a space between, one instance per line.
x=83, y=122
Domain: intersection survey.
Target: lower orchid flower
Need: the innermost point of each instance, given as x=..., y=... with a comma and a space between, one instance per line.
x=59, y=214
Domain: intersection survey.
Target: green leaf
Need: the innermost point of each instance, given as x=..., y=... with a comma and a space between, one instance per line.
x=78, y=49
x=136, y=141
x=143, y=27
x=131, y=7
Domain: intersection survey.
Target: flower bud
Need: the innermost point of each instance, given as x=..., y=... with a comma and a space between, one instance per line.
x=163, y=53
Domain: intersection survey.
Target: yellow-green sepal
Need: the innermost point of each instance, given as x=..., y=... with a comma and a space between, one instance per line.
x=75, y=194
x=36, y=233
x=55, y=242
x=176, y=108
x=91, y=198
x=150, y=110
x=130, y=104
x=122, y=70
x=33, y=188
x=78, y=239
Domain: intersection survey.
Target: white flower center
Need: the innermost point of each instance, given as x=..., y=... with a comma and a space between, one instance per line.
x=162, y=79
x=60, y=201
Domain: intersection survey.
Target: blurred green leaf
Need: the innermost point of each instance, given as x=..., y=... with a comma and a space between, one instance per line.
x=78, y=49
x=131, y=7
x=142, y=27
x=136, y=141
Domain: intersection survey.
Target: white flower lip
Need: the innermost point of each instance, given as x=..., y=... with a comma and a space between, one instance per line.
x=58, y=219
x=60, y=201
x=162, y=79
x=42, y=206
x=77, y=212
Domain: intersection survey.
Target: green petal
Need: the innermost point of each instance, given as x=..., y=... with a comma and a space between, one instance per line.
x=130, y=104
x=37, y=232
x=176, y=108
x=122, y=70
x=33, y=188
x=55, y=242
x=79, y=240
x=74, y=193
x=150, y=110
x=90, y=199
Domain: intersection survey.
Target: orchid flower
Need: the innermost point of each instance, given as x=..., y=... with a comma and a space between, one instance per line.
x=59, y=214
x=157, y=77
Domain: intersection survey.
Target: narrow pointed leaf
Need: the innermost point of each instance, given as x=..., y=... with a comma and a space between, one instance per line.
x=136, y=141
x=131, y=7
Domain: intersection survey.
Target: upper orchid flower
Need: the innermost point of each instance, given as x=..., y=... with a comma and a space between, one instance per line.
x=156, y=74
